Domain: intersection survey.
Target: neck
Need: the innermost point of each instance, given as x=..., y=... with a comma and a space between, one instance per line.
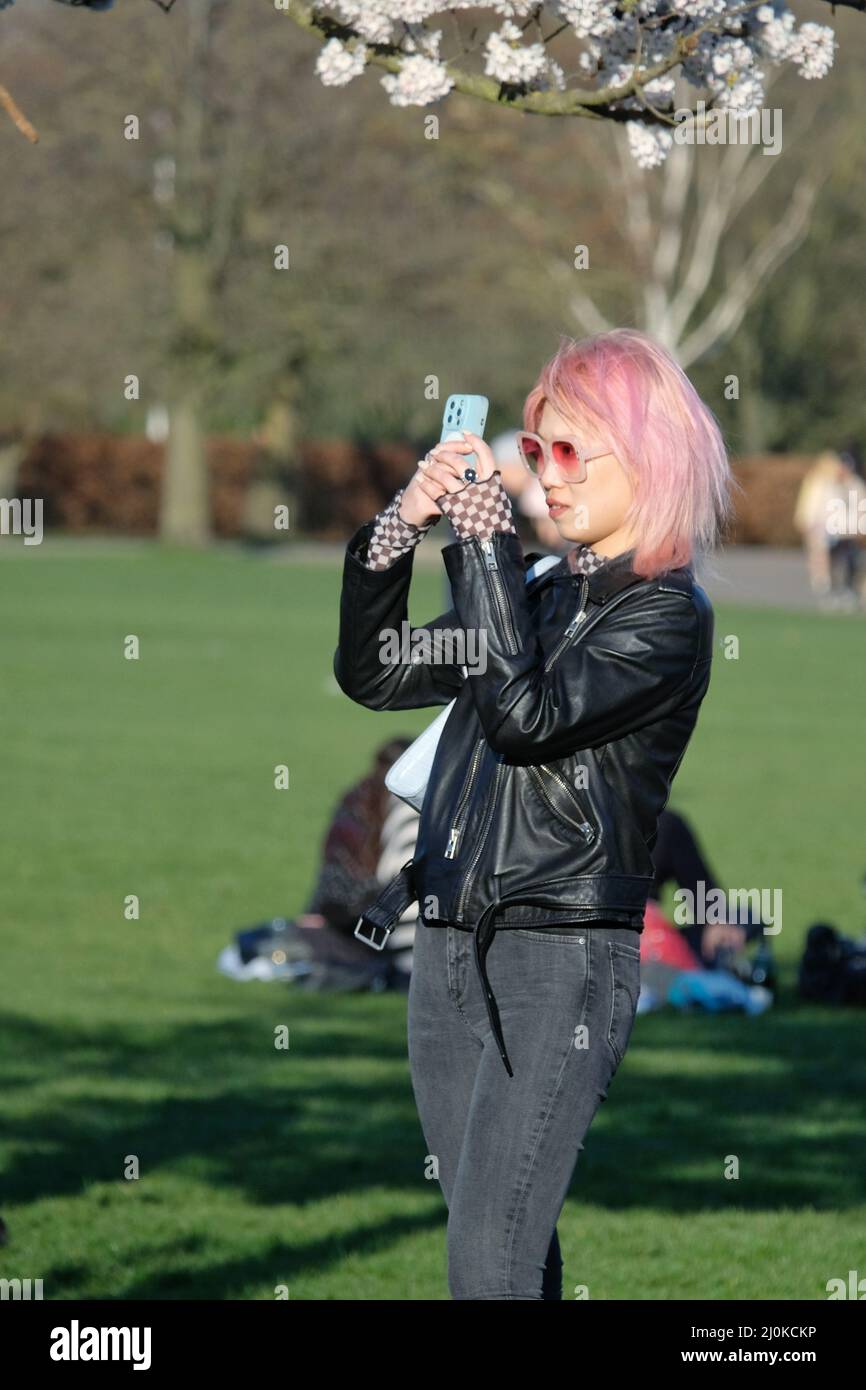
x=617, y=543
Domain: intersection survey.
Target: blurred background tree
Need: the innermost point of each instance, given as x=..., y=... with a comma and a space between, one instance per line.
x=411, y=258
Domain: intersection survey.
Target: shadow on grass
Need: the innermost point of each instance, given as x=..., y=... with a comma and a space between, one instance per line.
x=335, y=1115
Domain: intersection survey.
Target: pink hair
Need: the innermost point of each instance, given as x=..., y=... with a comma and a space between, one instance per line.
x=669, y=441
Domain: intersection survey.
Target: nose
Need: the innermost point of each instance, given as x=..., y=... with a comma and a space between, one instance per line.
x=549, y=476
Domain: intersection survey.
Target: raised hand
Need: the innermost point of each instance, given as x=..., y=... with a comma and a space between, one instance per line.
x=442, y=471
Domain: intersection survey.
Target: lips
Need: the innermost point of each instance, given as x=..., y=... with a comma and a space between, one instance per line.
x=556, y=509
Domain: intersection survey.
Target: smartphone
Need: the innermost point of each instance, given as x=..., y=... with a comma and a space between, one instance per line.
x=464, y=413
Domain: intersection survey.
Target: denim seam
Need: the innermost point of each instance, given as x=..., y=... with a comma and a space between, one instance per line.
x=612, y=947
x=555, y=937
x=519, y=1207
x=472, y=1033
x=452, y=993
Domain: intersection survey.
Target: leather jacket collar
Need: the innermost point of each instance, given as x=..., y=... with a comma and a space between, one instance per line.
x=610, y=578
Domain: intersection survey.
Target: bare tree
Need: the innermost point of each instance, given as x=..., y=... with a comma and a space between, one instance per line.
x=678, y=225
x=201, y=218
x=676, y=222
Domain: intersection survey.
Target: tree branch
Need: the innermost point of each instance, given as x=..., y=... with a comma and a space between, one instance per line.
x=231, y=186
x=729, y=310
x=598, y=105
x=712, y=219
x=16, y=115
x=587, y=313
x=500, y=195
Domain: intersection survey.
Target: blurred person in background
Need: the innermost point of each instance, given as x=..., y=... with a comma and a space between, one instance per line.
x=810, y=518
x=359, y=831
x=849, y=523
x=679, y=858
x=826, y=515
x=371, y=833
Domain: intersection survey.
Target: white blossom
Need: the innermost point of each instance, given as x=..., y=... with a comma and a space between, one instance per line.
x=556, y=76
x=813, y=50
x=588, y=18
x=509, y=60
x=419, y=81
x=368, y=18
x=337, y=64
x=701, y=10
x=660, y=91
x=649, y=145
x=776, y=35
x=375, y=20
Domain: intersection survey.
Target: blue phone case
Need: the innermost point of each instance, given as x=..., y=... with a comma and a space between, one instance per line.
x=464, y=413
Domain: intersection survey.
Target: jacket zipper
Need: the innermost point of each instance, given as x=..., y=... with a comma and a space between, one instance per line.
x=575, y=623
x=500, y=597
x=579, y=618
x=583, y=826
x=482, y=836
x=463, y=801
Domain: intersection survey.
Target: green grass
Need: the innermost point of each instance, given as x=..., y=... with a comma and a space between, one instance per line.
x=262, y=1167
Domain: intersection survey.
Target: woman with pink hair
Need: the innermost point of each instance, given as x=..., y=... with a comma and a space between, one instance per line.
x=551, y=771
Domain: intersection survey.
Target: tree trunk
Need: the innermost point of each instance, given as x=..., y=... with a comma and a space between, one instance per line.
x=185, y=497
x=274, y=481
x=185, y=494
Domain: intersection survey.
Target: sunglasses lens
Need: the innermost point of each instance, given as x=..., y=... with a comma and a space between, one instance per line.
x=567, y=459
x=532, y=453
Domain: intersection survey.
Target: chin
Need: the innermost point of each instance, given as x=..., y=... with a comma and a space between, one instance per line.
x=574, y=535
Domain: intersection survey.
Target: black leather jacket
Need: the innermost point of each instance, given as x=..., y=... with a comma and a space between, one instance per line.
x=558, y=757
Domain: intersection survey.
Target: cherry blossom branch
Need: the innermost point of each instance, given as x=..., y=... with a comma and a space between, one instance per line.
x=593, y=105
x=633, y=59
x=604, y=103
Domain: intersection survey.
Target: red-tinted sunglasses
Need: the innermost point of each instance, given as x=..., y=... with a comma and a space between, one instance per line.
x=566, y=453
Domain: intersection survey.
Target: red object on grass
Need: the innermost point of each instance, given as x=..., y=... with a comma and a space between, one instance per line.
x=662, y=944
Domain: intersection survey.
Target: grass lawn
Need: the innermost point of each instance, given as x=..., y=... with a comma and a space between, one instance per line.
x=305, y=1167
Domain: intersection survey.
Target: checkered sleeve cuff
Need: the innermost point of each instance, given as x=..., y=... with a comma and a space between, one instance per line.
x=478, y=509
x=391, y=536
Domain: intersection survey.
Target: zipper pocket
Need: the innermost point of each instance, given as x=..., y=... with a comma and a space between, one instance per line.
x=463, y=801
x=579, y=821
x=500, y=597
x=568, y=634
x=482, y=836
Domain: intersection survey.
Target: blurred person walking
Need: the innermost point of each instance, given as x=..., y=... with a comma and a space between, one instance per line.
x=828, y=515
x=847, y=525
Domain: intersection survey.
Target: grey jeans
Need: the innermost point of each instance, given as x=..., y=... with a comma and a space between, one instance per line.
x=505, y=1147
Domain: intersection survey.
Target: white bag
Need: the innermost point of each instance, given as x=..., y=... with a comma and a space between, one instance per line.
x=409, y=775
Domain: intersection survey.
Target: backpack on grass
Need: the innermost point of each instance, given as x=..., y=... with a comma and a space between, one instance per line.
x=833, y=967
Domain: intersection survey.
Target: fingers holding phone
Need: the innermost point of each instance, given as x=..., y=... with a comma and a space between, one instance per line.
x=467, y=454
x=418, y=503
x=459, y=459
x=447, y=468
